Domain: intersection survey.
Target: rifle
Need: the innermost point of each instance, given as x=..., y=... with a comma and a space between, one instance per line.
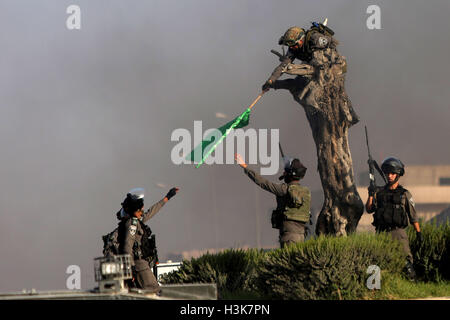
x=281, y=150
x=373, y=165
x=285, y=61
x=285, y=159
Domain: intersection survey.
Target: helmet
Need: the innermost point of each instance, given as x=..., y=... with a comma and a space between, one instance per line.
x=134, y=200
x=291, y=36
x=137, y=193
x=393, y=165
x=293, y=168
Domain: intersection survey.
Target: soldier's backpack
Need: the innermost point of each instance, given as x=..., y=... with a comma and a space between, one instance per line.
x=111, y=243
x=323, y=29
x=148, y=249
x=298, y=204
x=309, y=46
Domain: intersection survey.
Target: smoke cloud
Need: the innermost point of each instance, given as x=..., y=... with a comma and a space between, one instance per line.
x=87, y=115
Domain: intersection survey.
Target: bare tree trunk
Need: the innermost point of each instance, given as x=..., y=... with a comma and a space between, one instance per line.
x=319, y=88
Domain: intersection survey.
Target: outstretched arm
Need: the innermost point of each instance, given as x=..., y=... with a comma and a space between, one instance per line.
x=279, y=70
x=158, y=205
x=153, y=210
x=275, y=188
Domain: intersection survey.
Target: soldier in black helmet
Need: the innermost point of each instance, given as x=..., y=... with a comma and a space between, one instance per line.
x=394, y=208
x=134, y=234
x=293, y=200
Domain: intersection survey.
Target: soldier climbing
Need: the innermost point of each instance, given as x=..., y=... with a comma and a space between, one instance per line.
x=319, y=88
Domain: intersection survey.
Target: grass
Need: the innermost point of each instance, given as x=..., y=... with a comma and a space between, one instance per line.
x=394, y=287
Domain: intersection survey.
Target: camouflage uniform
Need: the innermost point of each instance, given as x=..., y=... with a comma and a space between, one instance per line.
x=394, y=209
x=314, y=40
x=131, y=237
x=290, y=231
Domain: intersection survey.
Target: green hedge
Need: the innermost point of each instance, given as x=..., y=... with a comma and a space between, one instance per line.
x=432, y=256
x=233, y=270
x=327, y=267
x=321, y=268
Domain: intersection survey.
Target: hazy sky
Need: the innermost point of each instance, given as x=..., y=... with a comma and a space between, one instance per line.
x=88, y=114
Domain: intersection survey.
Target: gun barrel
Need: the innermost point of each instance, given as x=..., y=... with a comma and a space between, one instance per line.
x=281, y=150
x=277, y=53
x=367, y=142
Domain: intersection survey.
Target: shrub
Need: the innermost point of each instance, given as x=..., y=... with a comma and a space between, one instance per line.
x=322, y=268
x=233, y=270
x=432, y=256
x=327, y=267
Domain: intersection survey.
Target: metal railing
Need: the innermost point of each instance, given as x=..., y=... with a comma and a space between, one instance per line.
x=117, y=267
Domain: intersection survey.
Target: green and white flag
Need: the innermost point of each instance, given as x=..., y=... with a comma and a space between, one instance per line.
x=208, y=145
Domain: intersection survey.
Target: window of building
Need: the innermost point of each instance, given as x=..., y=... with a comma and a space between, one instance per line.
x=444, y=181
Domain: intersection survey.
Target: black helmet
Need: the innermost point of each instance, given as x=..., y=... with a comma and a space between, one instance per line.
x=134, y=200
x=393, y=165
x=293, y=168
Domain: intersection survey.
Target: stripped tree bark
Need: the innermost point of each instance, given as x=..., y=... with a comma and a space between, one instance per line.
x=319, y=88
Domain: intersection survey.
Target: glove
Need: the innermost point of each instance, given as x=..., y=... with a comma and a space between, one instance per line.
x=266, y=86
x=171, y=193
x=419, y=237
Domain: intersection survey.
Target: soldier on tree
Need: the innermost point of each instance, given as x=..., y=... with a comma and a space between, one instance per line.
x=319, y=87
x=394, y=208
x=301, y=45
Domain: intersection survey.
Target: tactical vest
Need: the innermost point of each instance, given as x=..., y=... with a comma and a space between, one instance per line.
x=298, y=203
x=390, y=209
x=148, y=245
x=145, y=250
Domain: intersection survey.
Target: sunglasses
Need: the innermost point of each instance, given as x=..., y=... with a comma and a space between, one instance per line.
x=291, y=43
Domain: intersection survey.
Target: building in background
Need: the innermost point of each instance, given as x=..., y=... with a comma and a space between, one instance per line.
x=443, y=217
x=429, y=186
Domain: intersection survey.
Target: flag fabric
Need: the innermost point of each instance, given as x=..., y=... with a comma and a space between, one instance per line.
x=208, y=145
